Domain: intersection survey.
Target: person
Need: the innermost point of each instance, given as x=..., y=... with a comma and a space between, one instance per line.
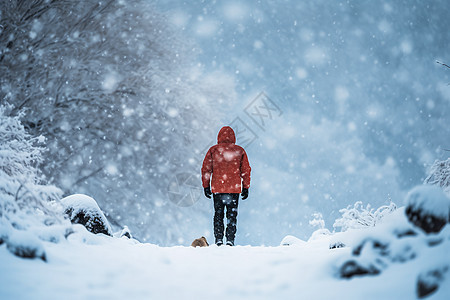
x=227, y=168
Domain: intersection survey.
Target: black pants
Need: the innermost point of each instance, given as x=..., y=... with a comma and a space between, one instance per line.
x=230, y=201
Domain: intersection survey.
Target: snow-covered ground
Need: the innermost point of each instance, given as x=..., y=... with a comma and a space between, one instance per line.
x=87, y=266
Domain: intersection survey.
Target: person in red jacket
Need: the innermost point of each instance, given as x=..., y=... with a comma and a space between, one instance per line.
x=226, y=166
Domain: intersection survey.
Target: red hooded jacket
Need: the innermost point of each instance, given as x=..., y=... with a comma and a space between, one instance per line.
x=227, y=163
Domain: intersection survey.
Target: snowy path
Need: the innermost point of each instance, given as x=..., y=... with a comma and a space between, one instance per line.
x=110, y=268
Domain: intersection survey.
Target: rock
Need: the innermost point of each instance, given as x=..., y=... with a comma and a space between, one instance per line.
x=84, y=210
x=428, y=282
x=368, y=259
x=375, y=245
x=404, y=233
x=3, y=234
x=428, y=208
x=336, y=245
x=26, y=245
x=353, y=268
x=126, y=232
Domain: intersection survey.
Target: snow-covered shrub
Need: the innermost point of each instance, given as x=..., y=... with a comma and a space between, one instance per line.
x=358, y=216
x=428, y=208
x=82, y=209
x=25, y=202
x=22, y=191
x=319, y=223
x=440, y=175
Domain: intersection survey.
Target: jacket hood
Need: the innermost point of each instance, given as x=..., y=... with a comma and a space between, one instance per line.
x=226, y=135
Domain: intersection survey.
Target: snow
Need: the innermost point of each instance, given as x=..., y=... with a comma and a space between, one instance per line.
x=87, y=265
x=131, y=107
x=25, y=244
x=429, y=200
x=80, y=201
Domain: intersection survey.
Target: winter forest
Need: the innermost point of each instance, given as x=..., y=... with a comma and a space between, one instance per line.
x=107, y=109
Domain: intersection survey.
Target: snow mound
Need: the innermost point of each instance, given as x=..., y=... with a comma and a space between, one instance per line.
x=84, y=210
x=428, y=208
x=126, y=232
x=291, y=240
x=53, y=234
x=319, y=234
x=24, y=244
x=429, y=199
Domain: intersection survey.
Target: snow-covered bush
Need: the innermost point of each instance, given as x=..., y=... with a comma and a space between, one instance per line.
x=25, y=202
x=319, y=223
x=358, y=216
x=428, y=208
x=82, y=209
x=119, y=96
x=440, y=175
x=22, y=191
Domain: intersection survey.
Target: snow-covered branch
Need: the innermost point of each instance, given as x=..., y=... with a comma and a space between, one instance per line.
x=440, y=175
x=358, y=216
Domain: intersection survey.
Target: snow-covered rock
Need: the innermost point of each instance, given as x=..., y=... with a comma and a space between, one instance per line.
x=375, y=248
x=291, y=240
x=336, y=245
x=126, y=232
x=428, y=208
x=24, y=244
x=84, y=210
x=3, y=233
x=429, y=281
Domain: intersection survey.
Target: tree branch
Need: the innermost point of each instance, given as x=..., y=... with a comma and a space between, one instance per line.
x=445, y=65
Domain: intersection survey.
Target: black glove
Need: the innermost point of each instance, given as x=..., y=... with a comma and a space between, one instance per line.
x=244, y=193
x=208, y=192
